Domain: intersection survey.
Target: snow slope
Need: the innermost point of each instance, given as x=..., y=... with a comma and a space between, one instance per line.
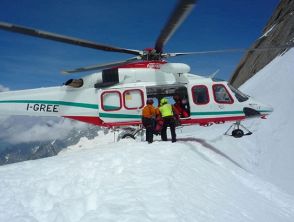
x=273, y=140
x=205, y=176
x=134, y=181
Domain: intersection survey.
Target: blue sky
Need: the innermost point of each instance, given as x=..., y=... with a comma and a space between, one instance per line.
x=27, y=62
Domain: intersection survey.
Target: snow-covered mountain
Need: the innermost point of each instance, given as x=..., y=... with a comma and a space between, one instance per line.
x=205, y=176
x=30, y=146
x=273, y=139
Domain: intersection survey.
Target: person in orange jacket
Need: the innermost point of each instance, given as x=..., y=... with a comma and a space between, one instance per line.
x=149, y=119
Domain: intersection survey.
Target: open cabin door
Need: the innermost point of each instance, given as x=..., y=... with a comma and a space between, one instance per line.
x=121, y=106
x=176, y=94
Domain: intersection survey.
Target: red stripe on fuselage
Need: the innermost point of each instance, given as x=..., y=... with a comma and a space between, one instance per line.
x=87, y=119
x=211, y=120
x=144, y=64
x=97, y=121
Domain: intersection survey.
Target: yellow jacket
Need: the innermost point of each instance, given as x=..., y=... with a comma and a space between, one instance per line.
x=166, y=110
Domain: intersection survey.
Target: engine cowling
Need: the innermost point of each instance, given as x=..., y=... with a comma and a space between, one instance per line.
x=175, y=68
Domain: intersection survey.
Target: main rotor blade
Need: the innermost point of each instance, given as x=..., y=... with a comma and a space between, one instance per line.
x=102, y=66
x=182, y=10
x=65, y=39
x=166, y=55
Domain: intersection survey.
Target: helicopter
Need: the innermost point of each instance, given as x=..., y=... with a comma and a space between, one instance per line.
x=115, y=95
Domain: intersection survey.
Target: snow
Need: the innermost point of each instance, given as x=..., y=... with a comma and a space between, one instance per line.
x=274, y=84
x=205, y=176
x=131, y=182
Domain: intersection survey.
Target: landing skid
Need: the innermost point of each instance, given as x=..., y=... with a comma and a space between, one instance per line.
x=131, y=132
x=238, y=130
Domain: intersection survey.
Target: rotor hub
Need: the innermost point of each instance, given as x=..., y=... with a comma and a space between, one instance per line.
x=150, y=54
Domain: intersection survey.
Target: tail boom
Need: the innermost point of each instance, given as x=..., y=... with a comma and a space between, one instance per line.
x=53, y=101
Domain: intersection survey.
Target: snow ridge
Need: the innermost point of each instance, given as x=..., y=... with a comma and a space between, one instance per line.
x=135, y=181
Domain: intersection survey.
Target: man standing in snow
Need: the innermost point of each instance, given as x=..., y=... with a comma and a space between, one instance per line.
x=148, y=119
x=166, y=111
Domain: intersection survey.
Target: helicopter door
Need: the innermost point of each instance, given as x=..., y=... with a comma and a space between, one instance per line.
x=121, y=105
x=200, y=102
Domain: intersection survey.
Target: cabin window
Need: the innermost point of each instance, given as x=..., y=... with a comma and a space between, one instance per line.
x=133, y=99
x=200, y=95
x=111, y=101
x=221, y=94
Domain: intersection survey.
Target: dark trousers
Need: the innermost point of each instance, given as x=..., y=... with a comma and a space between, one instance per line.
x=169, y=121
x=148, y=123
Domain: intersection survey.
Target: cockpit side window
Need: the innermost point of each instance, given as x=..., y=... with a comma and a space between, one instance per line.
x=241, y=97
x=221, y=94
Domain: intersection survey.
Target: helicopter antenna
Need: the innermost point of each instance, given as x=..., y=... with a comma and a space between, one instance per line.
x=211, y=76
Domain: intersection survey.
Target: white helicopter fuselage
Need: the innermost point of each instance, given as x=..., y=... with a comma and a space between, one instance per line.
x=116, y=97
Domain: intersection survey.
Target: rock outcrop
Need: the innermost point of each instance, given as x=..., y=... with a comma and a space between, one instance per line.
x=278, y=31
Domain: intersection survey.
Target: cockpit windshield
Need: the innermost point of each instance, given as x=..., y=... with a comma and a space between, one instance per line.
x=241, y=97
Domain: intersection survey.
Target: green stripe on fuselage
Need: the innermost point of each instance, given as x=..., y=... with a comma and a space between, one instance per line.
x=216, y=113
x=128, y=116
x=115, y=115
x=111, y=108
x=83, y=105
x=265, y=111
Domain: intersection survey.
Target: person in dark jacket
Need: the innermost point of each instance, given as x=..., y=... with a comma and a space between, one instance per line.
x=179, y=107
x=167, y=114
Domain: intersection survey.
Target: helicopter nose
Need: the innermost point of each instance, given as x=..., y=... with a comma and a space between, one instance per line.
x=257, y=109
x=266, y=110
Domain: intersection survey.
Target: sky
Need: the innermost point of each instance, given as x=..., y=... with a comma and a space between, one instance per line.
x=28, y=62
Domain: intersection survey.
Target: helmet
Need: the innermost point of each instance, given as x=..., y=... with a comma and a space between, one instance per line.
x=149, y=101
x=163, y=101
